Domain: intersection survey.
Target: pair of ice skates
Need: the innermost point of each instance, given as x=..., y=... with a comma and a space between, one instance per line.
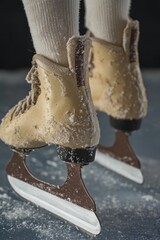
x=59, y=111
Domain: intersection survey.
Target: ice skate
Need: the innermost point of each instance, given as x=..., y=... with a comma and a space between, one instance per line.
x=117, y=89
x=57, y=111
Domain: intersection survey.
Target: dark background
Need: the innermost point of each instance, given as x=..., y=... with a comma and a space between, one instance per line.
x=16, y=44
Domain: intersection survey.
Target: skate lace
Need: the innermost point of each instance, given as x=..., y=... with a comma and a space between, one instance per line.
x=91, y=65
x=31, y=99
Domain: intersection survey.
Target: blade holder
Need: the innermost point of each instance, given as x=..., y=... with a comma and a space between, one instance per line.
x=121, y=150
x=72, y=190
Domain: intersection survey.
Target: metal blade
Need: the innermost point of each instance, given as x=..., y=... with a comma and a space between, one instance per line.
x=79, y=216
x=120, y=167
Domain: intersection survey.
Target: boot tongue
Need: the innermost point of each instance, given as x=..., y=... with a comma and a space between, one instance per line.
x=30, y=73
x=130, y=40
x=78, y=57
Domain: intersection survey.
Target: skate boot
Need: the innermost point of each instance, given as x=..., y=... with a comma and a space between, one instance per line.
x=117, y=89
x=58, y=111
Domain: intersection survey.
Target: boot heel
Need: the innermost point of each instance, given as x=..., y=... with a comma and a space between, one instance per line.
x=78, y=155
x=125, y=125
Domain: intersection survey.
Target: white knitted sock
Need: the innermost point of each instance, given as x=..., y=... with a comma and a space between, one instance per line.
x=52, y=23
x=106, y=19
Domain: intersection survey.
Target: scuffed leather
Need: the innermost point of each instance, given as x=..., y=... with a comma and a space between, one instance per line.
x=63, y=114
x=115, y=79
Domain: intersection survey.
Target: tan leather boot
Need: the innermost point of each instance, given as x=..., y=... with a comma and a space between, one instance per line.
x=115, y=79
x=59, y=108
